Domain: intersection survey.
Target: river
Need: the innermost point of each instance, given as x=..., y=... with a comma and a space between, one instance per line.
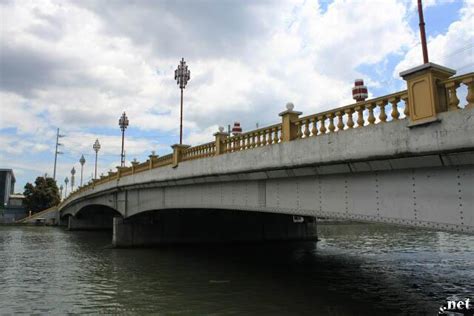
x=355, y=269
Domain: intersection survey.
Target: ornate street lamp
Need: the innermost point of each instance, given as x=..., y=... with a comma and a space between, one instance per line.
x=96, y=148
x=123, y=123
x=65, y=191
x=82, y=161
x=182, y=75
x=73, y=172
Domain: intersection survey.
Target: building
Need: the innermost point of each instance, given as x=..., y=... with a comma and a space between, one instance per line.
x=7, y=186
x=11, y=207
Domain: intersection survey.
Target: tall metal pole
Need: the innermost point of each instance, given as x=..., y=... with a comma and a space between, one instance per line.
x=95, y=173
x=422, y=32
x=182, y=75
x=56, y=152
x=96, y=148
x=122, y=155
x=82, y=161
x=123, y=123
x=181, y=121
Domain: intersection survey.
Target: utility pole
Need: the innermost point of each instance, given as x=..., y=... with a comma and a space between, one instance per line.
x=422, y=33
x=56, y=152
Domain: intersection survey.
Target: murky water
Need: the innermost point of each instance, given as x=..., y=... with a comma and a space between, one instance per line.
x=355, y=269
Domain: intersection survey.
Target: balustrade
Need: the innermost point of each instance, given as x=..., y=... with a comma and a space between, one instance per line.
x=367, y=113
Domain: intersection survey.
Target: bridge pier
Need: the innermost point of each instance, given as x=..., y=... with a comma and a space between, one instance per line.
x=199, y=226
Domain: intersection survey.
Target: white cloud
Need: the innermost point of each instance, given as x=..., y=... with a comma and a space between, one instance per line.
x=78, y=65
x=453, y=49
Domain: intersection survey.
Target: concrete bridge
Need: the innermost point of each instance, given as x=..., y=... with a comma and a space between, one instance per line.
x=406, y=158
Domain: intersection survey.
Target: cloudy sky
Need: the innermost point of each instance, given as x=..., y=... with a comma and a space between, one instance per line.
x=77, y=65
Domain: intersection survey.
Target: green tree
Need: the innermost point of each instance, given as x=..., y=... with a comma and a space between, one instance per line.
x=42, y=195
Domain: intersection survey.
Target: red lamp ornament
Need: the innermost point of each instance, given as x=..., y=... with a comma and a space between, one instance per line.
x=359, y=91
x=236, y=130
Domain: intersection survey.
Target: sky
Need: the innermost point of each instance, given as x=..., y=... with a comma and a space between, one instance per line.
x=77, y=65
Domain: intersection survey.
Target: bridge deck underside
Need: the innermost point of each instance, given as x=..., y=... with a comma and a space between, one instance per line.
x=439, y=198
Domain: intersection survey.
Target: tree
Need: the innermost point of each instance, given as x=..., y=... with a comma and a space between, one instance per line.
x=42, y=195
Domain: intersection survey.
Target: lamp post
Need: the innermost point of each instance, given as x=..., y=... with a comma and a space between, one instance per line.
x=96, y=148
x=182, y=75
x=123, y=123
x=82, y=161
x=73, y=172
x=65, y=191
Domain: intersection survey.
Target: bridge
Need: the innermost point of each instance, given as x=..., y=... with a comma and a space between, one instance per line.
x=406, y=158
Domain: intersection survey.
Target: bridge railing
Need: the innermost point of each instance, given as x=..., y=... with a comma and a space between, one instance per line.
x=426, y=98
x=368, y=113
x=260, y=137
x=452, y=86
x=200, y=151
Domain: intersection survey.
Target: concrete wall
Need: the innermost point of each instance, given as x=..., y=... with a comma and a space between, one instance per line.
x=209, y=226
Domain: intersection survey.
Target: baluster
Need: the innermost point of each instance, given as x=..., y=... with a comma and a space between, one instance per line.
x=406, y=111
x=360, y=115
x=394, y=102
x=298, y=129
x=257, y=135
x=331, y=127
x=265, y=140
x=306, y=128
x=238, y=140
x=275, y=136
x=350, y=121
x=270, y=136
x=314, y=130
x=469, y=82
x=371, y=117
x=382, y=116
x=340, y=123
x=322, y=128
x=453, y=100
x=253, y=143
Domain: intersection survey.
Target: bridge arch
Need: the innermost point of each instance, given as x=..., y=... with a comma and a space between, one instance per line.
x=92, y=217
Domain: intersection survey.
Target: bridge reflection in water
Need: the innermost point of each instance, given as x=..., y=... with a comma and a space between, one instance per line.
x=355, y=269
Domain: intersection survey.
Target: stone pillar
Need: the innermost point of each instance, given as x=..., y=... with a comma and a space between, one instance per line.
x=220, y=137
x=151, y=160
x=135, y=233
x=288, y=128
x=177, y=150
x=210, y=226
x=425, y=98
x=134, y=165
x=120, y=170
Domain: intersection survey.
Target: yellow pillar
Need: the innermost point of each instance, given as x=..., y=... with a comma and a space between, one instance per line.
x=425, y=98
x=220, y=137
x=289, y=129
x=119, y=171
x=177, y=150
x=151, y=160
x=134, y=166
